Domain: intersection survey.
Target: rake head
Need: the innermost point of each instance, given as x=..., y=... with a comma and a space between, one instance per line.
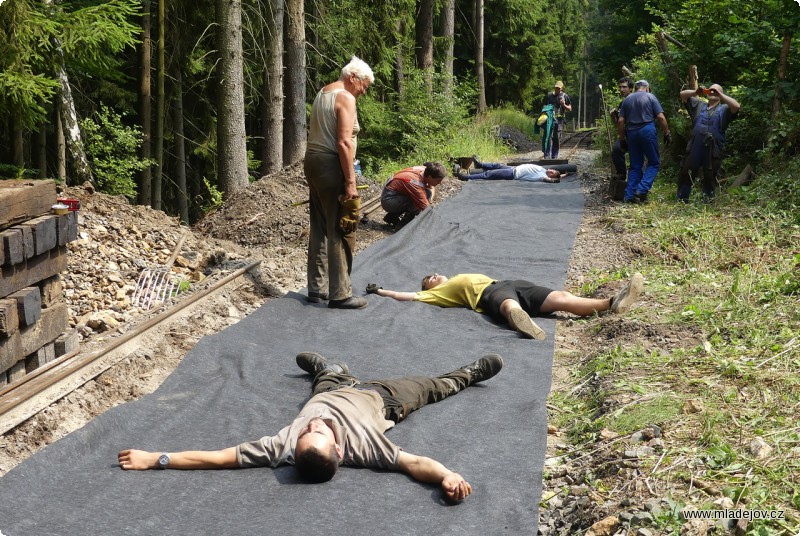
x=155, y=286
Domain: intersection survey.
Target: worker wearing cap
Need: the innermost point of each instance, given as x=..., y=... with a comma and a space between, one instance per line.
x=561, y=105
x=636, y=127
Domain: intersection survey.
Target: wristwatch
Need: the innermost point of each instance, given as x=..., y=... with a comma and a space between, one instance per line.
x=163, y=460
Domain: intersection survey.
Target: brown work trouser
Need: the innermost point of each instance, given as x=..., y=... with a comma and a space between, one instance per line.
x=330, y=252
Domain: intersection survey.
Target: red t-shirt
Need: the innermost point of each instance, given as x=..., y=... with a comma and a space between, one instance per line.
x=409, y=182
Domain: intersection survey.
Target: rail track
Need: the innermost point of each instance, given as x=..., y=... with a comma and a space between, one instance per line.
x=35, y=391
x=573, y=141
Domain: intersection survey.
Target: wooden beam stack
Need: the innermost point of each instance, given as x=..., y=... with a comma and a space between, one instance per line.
x=34, y=319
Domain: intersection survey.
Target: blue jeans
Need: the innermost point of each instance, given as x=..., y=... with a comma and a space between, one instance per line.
x=493, y=172
x=642, y=142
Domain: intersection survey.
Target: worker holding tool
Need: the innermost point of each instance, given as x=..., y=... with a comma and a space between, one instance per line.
x=342, y=424
x=625, y=85
x=512, y=301
x=710, y=120
x=410, y=191
x=335, y=203
x=561, y=105
x=638, y=115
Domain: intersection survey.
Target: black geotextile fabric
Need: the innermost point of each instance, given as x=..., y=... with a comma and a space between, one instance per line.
x=243, y=383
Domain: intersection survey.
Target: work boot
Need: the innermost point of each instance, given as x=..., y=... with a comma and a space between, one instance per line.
x=484, y=368
x=392, y=218
x=520, y=321
x=314, y=363
x=406, y=219
x=476, y=161
x=456, y=170
x=628, y=295
x=641, y=198
x=353, y=302
x=316, y=297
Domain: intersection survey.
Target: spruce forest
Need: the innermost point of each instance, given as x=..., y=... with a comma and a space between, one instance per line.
x=177, y=104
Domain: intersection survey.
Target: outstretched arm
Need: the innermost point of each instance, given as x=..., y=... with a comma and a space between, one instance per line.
x=430, y=471
x=372, y=288
x=141, y=460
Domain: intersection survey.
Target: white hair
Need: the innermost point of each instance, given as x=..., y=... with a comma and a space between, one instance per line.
x=359, y=68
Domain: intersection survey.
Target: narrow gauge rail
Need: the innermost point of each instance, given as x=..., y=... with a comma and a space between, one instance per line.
x=35, y=391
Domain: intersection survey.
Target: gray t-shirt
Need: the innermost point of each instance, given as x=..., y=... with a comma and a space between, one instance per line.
x=357, y=419
x=639, y=109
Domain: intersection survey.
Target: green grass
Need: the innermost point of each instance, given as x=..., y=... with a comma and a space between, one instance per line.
x=478, y=137
x=728, y=274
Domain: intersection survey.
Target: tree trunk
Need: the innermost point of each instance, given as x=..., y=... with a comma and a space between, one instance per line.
x=69, y=116
x=145, y=108
x=479, y=56
x=424, y=41
x=783, y=61
x=18, y=140
x=272, y=92
x=41, y=150
x=294, y=126
x=180, y=147
x=160, y=108
x=61, y=148
x=399, y=66
x=448, y=37
x=231, y=137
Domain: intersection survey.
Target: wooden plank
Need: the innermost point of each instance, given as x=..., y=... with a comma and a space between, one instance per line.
x=40, y=357
x=13, y=247
x=28, y=245
x=53, y=323
x=29, y=305
x=67, y=228
x=23, y=200
x=33, y=270
x=52, y=290
x=67, y=342
x=9, y=319
x=44, y=232
x=16, y=371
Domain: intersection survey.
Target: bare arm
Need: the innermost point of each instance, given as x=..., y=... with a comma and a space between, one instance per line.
x=732, y=103
x=423, y=469
x=661, y=119
x=621, y=128
x=399, y=296
x=345, y=109
x=141, y=460
x=687, y=94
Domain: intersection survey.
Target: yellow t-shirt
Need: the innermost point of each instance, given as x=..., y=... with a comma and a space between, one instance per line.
x=462, y=290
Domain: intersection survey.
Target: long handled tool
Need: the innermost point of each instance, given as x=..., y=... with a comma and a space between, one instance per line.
x=608, y=129
x=159, y=284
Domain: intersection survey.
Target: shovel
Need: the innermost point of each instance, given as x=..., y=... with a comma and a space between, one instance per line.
x=157, y=285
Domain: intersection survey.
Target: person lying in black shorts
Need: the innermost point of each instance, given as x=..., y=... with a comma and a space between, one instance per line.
x=513, y=301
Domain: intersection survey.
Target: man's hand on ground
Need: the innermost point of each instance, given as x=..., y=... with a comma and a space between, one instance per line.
x=372, y=288
x=137, y=460
x=455, y=487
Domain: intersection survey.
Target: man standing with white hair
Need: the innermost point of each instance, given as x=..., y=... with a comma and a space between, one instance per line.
x=334, y=201
x=639, y=113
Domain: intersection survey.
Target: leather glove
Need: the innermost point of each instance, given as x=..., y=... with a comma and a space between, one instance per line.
x=667, y=139
x=349, y=210
x=372, y=288
x=623, y=143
